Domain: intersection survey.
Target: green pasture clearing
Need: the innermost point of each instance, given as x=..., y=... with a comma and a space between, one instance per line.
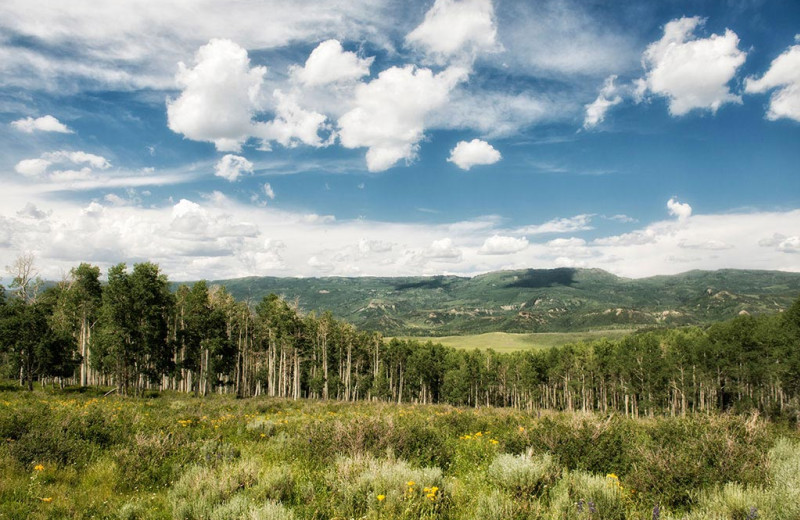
x=510, y=342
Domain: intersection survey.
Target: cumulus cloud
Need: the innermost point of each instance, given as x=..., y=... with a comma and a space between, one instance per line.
x=78, y=157
x=782, y=243
x=677, y=209
x=218, y=237
x=608, y=97
x=31, y=211
x=268, y=191
x=32, y=167
x=455, y=27
x=46, y=123
x=691, y=72
x=559, y=225
x=502, y=245
x=231, y=167
x=783, y=77
x=465, y=155
x=38, y=167
x=330, y=63
x=390, y=112
x=442, y=250
x=366, y=246
x=292, y=125
x=219, y=96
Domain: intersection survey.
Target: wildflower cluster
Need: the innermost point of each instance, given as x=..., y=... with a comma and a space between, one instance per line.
x=478, y=436
x=614, y=482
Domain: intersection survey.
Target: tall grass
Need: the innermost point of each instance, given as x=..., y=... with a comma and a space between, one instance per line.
x=176, y=457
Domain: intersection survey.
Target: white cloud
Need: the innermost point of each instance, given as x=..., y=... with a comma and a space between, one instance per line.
x=373, y=246
x=559, y=225
x=692, y=73
x=502, y=245
x=46, y=123
x=231, y=167
x=66, y=176
x=566, y=39
x=708, y=245
x=107, y=48
x=499, y=114
x=218, y=237
x=625, y=219
x=219, y=96
x=782, y=243
x=32, y=167
x=31, y=211
x=292, y=124
x=455, y=27
x=268, y=191
x=330, y=63
x=607, y=98
x=38, y=167
x=784, y=77
x=390, y=112
x=465, y=155
x=681, y=210
x=79, y=157
x=442, y=250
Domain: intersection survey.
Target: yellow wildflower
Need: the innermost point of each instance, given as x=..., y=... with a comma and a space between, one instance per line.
x=38, y=467
x=495, y=441
x=410, y=483
x=381, y=498
x=47, y=500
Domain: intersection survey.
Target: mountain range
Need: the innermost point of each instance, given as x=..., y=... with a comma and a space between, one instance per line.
x=530, y=300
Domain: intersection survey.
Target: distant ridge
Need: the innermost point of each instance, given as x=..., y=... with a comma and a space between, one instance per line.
x=530, y=300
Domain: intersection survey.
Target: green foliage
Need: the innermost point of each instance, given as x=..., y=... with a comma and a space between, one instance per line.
x=182, y=457
x=523, y=475
x=532, y=300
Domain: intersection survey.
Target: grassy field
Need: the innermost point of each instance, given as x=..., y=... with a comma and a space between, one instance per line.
x=81, y=455
x=509, y=342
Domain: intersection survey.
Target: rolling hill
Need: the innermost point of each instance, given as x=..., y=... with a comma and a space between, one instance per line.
x=531, y=300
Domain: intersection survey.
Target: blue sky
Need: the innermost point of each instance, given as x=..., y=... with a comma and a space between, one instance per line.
x=400, y=138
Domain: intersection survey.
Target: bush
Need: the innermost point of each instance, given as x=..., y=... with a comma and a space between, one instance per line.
x=580, y=495
x=363, y=485
x=523, y=475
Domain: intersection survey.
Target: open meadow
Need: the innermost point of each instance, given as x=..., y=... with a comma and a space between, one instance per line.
x=512, y=342
x=70, y=454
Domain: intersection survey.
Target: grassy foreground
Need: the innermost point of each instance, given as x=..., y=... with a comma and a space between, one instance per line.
x=81, y=455
x=511, y=342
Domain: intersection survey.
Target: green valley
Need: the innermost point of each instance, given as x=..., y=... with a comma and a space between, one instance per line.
x=531, y=300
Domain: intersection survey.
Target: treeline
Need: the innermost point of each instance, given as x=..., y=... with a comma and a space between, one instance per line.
x=132, y=332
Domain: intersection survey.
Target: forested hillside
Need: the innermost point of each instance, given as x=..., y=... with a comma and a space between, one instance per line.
x=533, y=300
x=137, y=335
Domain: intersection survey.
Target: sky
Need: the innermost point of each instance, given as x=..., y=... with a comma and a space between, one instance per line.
x=394, y=138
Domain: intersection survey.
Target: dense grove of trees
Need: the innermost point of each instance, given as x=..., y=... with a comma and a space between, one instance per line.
x=132, y=332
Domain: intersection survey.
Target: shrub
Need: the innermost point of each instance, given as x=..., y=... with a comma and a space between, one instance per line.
x=523, y=475
x=580, y=495
x=363, y=485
